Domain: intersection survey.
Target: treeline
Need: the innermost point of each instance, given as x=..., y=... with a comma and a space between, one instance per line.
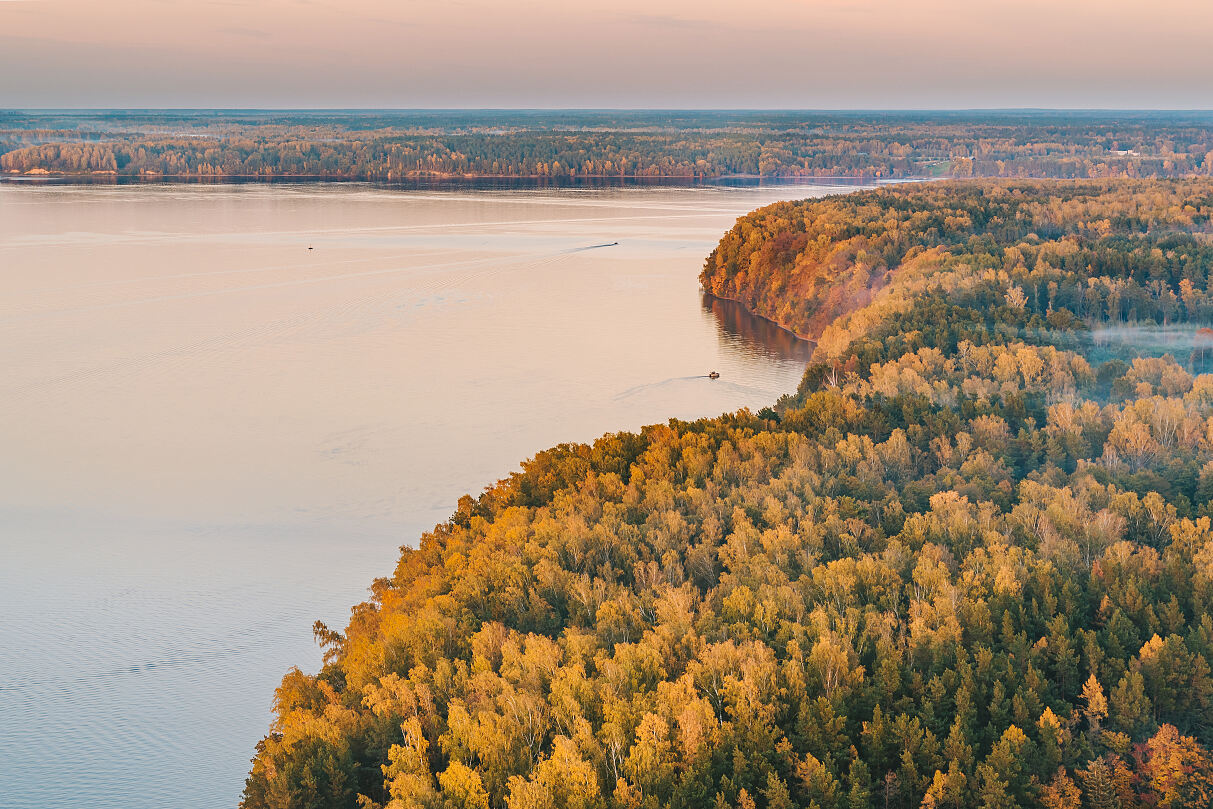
x=967, y=565
x=1108, y=254
x=567, y=146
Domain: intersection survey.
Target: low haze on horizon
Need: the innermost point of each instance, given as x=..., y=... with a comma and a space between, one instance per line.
x=834, y=54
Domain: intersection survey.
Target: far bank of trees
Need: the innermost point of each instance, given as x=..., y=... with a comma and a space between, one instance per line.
x=567, y=146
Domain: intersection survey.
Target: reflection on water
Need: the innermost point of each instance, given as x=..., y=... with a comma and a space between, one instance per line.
x=214, y=435
x=740, y=331
x=459, y=184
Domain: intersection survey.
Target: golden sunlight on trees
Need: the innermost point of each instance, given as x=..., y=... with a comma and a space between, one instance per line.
x=968, y=564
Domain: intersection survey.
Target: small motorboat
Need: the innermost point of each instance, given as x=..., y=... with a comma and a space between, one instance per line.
x=713, y=375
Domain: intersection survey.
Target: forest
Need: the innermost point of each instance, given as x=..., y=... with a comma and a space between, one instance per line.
x=969, y=563
x=577, y=146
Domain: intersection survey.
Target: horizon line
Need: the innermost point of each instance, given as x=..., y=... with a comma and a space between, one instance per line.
x=621, y=109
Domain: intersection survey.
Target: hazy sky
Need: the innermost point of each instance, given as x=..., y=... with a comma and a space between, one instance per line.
x=607, y=53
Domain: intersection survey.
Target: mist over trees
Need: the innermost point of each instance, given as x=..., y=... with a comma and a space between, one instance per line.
x=968, y=564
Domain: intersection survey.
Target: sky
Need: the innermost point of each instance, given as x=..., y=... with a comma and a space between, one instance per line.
x=805, y=54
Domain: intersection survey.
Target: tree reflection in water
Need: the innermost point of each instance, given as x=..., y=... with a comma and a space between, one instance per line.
x=746, y=334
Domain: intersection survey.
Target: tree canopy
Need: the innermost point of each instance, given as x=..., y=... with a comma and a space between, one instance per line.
x=968, y=564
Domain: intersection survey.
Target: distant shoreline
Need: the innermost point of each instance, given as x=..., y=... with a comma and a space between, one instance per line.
x=425, y=180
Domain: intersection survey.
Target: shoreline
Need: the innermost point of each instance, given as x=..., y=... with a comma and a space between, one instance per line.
x=752, y=313
x=111, y=178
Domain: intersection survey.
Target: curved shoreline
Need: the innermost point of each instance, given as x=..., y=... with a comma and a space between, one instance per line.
x=880, y=528
x=751, y=312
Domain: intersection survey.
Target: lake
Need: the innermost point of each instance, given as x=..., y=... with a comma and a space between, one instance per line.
x=224, y=408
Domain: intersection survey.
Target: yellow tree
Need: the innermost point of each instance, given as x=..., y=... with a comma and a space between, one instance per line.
x=563, y=780
x=1097, y=703
x=407, y=777
x=462, y=788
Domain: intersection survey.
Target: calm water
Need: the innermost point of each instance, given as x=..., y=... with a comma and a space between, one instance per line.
x=213, y=435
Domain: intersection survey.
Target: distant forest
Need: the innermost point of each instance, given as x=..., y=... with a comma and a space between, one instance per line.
x=573, y=146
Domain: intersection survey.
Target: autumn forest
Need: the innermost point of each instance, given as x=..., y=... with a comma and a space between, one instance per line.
x=968, y=564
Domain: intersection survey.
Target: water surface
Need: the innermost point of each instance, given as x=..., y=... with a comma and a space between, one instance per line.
x=223, y=409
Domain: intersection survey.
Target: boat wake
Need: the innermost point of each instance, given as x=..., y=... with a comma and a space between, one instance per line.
x=651, y=386
x=591, y=247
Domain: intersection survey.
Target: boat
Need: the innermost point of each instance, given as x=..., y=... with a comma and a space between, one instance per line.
x=713, y=375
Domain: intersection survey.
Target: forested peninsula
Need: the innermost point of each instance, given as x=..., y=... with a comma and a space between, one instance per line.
x=572, y=146
x=968, y=564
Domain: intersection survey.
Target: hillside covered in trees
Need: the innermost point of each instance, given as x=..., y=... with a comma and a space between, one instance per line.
x=1121, y=259
x=573, y=146
x=968, y=564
